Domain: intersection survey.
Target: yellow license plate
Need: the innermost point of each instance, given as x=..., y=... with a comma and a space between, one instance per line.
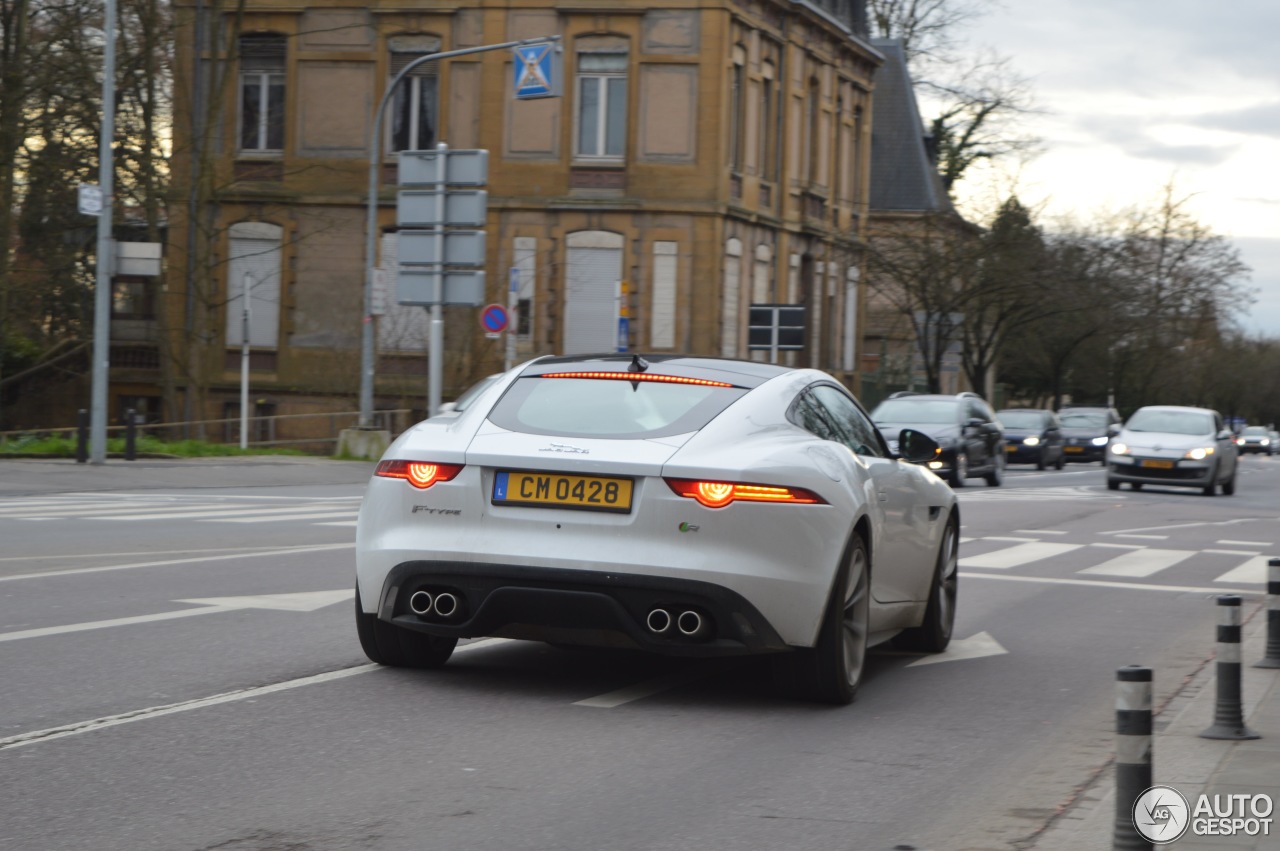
x=558, y=490
x=1159, y=465
x=1011, y=449
x=1073, y=449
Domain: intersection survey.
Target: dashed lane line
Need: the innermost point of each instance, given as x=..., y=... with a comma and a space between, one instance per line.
x=288, y=551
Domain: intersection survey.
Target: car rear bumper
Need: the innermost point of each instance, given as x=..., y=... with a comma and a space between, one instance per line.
x=577, y=607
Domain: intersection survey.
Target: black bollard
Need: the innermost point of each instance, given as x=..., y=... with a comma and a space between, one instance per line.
x=1272, y=659
x=82, y=437
x=1133, y=752
x=1228, y=713
x=130, y=436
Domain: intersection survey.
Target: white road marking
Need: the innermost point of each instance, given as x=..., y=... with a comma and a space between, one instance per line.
x=647, y=688
x=1103, y=583
x=1146, y=537
x=1235, y=522
x=1119, y=546
x=41, y=511
x=1253, y=571
x=1040, y=532
x=282, y=513
x=282, y=517
x=974, y=647
x=1016, y=556
x=351, y=523
x=287, y=551
x=1015, y=540
x=1232, y=552
x=306, y=601
x=1247, y=543
x=1139, y=563
x=139, y=553
x=200, y=703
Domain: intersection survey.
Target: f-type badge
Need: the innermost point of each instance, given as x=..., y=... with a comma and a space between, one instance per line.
x=564, y=447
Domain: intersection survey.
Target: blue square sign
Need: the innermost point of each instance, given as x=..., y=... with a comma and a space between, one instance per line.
x=537, y=71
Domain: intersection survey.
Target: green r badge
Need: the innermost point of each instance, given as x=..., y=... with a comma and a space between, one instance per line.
x=689, y=527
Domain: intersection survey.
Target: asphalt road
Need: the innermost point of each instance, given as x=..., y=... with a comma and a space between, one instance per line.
x=180, y=671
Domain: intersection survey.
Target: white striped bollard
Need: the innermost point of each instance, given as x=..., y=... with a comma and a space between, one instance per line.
x=1228, y=713
x=1133, y=752
x=1272, y=659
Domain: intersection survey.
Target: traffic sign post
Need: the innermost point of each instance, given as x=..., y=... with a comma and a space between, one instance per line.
x=494, y=320
x=513, y=311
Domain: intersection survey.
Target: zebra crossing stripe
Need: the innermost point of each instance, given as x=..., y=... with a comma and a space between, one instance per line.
x=1018, y=555
x=1139, y=563
x=332, y=515
x=1253, y=571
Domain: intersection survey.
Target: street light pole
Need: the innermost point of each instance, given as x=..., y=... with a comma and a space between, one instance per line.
x=106, y=249
x=371, y=219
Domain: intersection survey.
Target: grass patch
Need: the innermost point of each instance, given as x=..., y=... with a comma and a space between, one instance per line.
x=56, y=446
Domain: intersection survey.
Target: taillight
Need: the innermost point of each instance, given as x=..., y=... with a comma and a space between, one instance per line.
x=418, y=473
x=720, y=494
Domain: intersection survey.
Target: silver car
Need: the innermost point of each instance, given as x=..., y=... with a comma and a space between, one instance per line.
x=1176, y=446
x=684, y=506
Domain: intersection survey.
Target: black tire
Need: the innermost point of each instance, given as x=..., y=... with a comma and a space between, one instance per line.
x=1062, y=462
x=1229, y=486
x=1113, y=485
x=399, y=648
x=1040, y=465
x=934, y=634
x=996, y=476
x=959, y=470
x=831, y=671
x=1136, y=486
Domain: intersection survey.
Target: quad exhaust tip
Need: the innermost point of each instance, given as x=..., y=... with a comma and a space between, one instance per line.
x=659, y=621
x=420, y=603
x=690, y=623
x=446, y=605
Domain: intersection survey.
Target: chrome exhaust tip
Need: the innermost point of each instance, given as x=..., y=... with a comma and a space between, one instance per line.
x=658, y=621
x=420, y=602
x=690, y=623
x=446, y=605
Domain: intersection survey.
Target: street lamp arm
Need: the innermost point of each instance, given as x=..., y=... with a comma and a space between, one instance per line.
x=371, y=211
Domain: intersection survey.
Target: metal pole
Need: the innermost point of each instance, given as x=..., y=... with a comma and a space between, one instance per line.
x=1228, y=711
x=245, y=314
x=1272, y=658
x=106, y=248
x=435, y=342
x=371, y=215
x=1133, y=753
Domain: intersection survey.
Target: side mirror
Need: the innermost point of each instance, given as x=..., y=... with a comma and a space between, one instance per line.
x=1113, y=430
x=917, y=447
x=973, y=422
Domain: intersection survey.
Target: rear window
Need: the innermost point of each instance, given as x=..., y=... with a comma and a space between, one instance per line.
x=609, y=408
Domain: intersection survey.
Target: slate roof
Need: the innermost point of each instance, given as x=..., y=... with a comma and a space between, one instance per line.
x=903, y=178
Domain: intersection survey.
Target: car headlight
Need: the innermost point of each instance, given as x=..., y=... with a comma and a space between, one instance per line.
x=1119, y=449
x=1100, y=441
x=1264, y=442
x=1032, y=441
x=1199, y=453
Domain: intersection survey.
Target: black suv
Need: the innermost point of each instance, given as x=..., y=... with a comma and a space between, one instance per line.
x=971, y=437
x=1086, y=431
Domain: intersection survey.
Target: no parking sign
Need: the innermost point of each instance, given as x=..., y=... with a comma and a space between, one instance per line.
x=494, y=320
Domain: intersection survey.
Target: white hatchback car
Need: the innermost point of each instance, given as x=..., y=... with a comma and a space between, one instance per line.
x=686, y=506
x=1174, y=445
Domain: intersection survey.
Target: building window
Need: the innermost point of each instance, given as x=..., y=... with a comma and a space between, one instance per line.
x=735, y=109
x=768, y=147
x=262, y=93
x=730, y=298
x=133, y=298
x=415, y=105
x=525, y=255
x=812, y=122
x=662, y=316
x=602, y=105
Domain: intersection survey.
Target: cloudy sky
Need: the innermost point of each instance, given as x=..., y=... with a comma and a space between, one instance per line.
x=1134, y=93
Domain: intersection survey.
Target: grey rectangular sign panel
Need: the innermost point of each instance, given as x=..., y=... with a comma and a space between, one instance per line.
x=462, y=168
x=464, y=208
x=420, y=286
x=461, y=248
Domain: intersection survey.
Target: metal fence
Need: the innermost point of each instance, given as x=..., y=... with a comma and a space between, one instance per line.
x=317, y=431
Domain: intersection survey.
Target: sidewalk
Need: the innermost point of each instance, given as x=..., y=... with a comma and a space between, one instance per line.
x=34, y=476
x=1193, y=765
